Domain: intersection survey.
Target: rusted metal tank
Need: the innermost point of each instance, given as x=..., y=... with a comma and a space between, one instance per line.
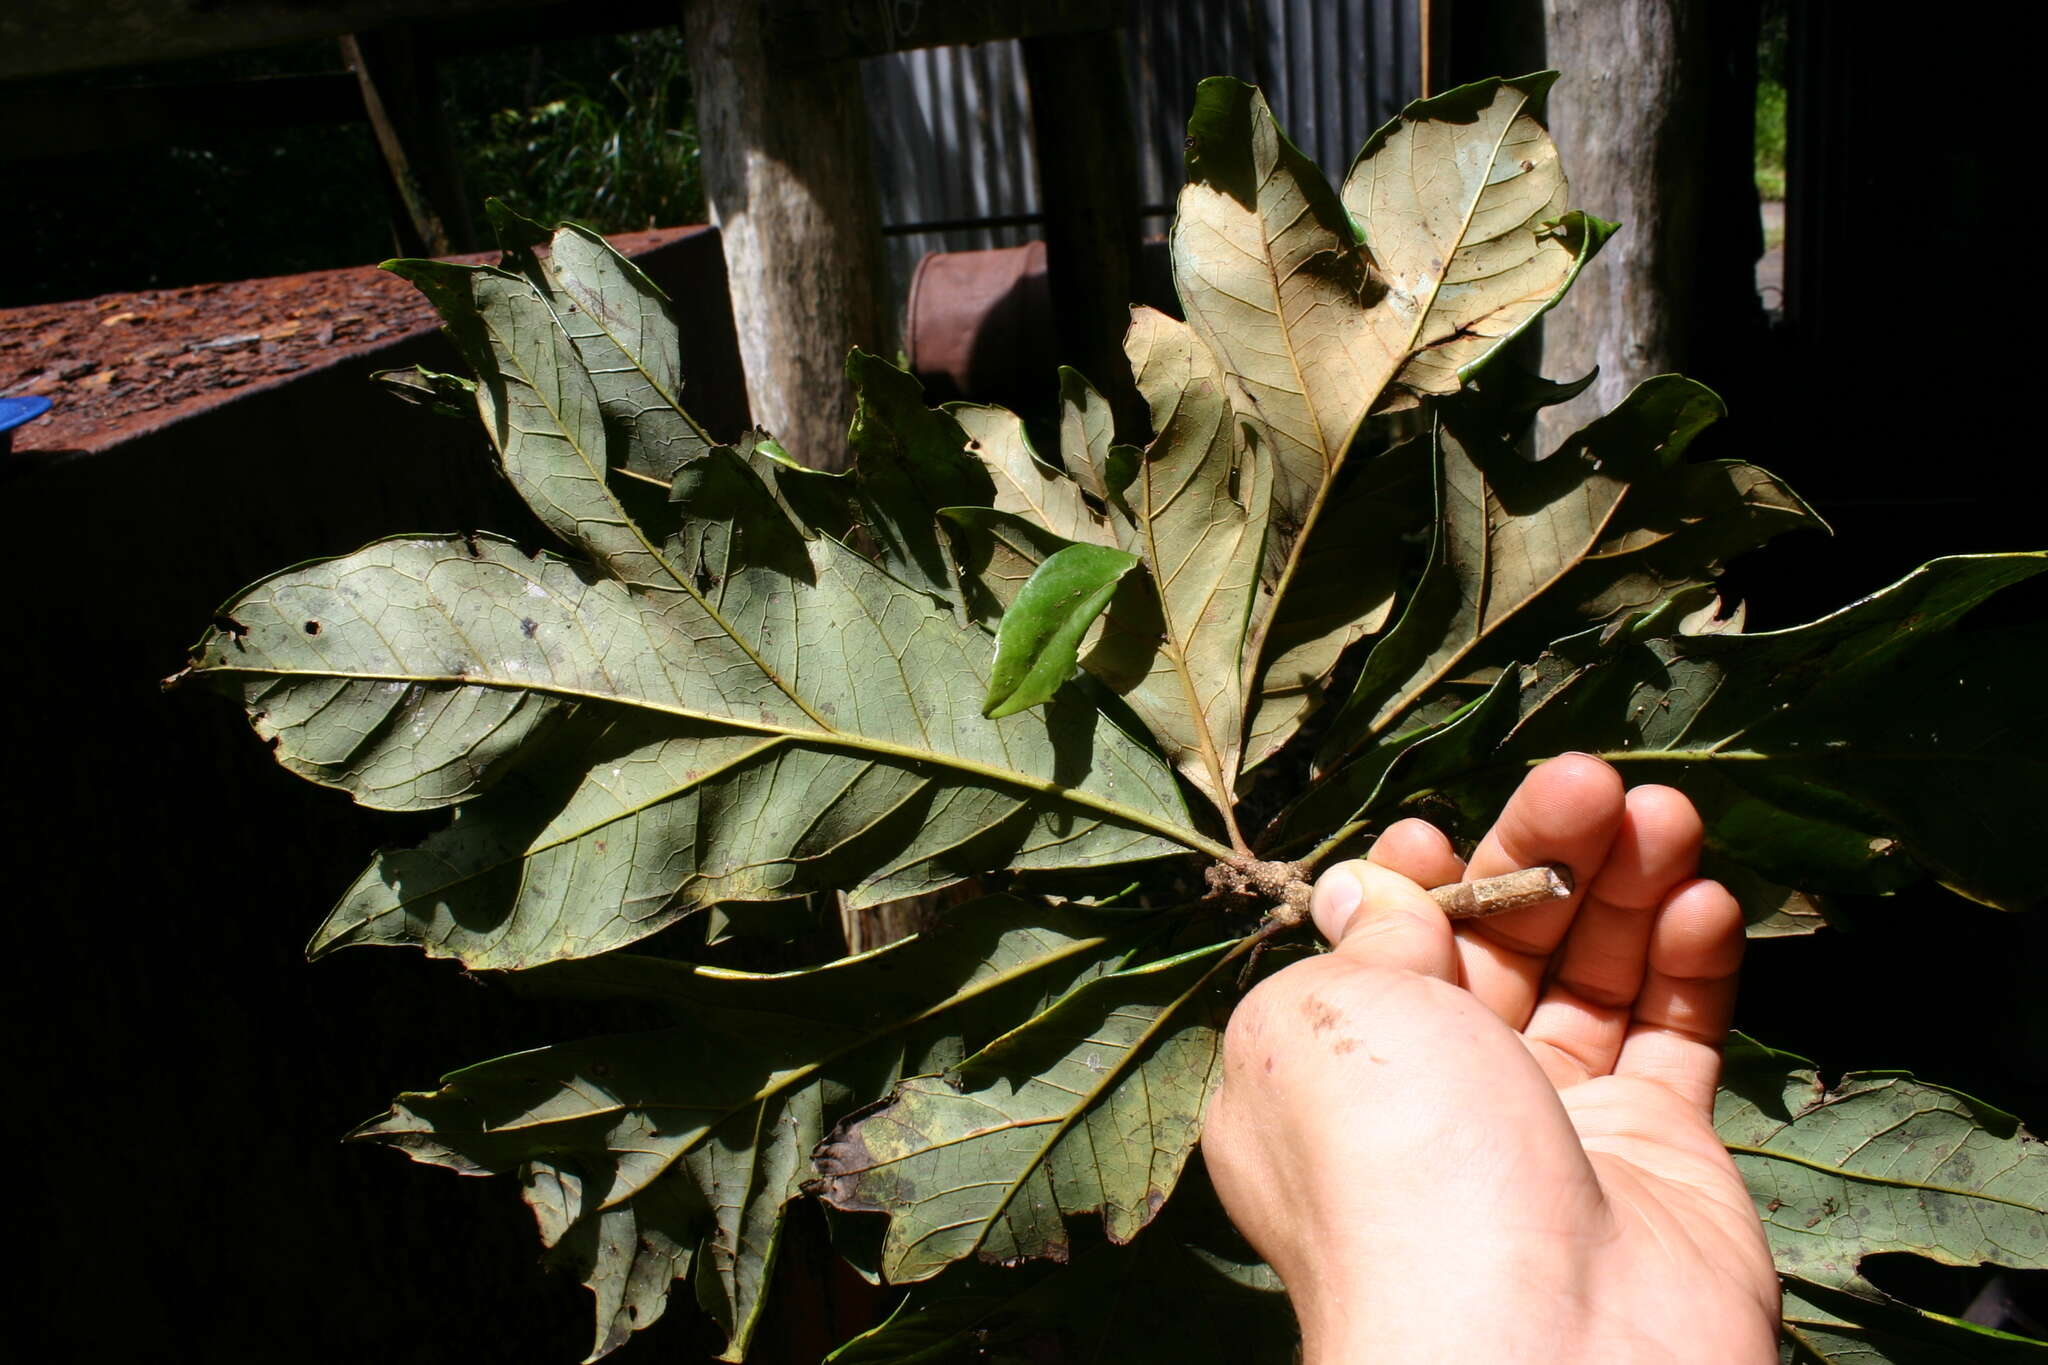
x=979, y=324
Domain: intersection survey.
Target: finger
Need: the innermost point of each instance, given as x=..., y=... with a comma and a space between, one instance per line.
x=1682, y=1011
x=1585, y=1008
x=1418, y=851
x=1375, y=915
x=1566, y=811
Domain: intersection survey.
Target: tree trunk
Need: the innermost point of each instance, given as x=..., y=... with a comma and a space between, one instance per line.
x=788, y=175
x=1629, y=119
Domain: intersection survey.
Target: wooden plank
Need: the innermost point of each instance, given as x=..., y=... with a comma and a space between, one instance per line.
x=400, y=100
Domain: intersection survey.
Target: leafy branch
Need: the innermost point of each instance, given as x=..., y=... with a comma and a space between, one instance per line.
x=733, y=680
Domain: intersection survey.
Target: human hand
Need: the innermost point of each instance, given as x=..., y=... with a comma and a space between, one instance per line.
x=1492, y=1141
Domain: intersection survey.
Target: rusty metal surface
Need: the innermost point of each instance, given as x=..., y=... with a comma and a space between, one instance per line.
x=978, y=321
x=122, y=365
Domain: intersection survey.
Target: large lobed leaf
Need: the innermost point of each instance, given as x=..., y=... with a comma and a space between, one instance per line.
x=768, y=712
x=1855, y=753
x=1449, y=236
x=1877, y=1163
x=669, y=1157
x=1092, y=1107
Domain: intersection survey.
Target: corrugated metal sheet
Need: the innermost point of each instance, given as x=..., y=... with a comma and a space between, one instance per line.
x=952, y=126
x=952, y=142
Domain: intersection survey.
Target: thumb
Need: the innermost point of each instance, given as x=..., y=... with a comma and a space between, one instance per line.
x=1376, y=915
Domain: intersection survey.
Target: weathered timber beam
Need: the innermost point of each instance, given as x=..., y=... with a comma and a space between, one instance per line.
x=48, y=37
x=38, y=120
x=815, y=30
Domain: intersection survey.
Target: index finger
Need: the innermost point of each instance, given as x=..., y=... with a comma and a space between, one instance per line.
x=1567, y=811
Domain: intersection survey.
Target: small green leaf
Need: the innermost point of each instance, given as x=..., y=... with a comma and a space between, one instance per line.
x=1040, y=637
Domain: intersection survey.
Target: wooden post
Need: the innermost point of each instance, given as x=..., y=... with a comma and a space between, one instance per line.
x=790, y=180
x=1653, y=117
x=1088, y=184
x=1629, y=117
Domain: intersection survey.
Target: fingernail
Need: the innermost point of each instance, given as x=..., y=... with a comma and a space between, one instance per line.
x=1336, y=897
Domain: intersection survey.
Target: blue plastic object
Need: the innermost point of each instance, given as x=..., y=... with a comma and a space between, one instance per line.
x=15, y=411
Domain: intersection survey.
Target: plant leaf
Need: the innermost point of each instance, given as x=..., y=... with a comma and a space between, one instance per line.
x=912, y=461
x=1321, y=310
x=624, y=331
x=1026, y=486
x=1152, y=1303
x=1345, y=590
x=543, y=411
x=1199, y=503
x=1769, y=909
x=450, y=395
x=657, y=1157
x=1461, y=202
x=1822, y=1327
x=1880, y=1162
x=1849, y=754
x=1092, y=1107
x=1525, y=551
x=744, y=653
x=1275, y=282
x=422, y=645
x=1040, y=637
x=434, y=657
x=1856, y=753
x=1087, y=431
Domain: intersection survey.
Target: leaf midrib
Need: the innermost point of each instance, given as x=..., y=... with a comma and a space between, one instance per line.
x=1084, y=1102
x=598, y=471
x=834, y=739
x=792, y=1079
x=1867, y=1178
x=597, y=320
